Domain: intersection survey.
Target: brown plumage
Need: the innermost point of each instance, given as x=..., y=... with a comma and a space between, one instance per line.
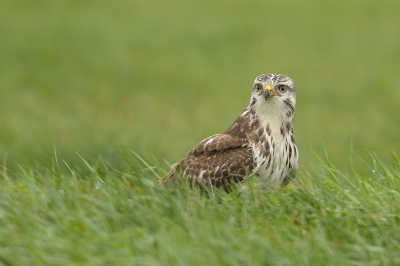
x=260, y=141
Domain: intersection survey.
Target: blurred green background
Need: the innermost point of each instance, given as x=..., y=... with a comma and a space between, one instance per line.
x=159, y=76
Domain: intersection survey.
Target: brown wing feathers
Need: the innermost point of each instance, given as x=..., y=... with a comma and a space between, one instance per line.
x=218, y=159
x=218, y=142
x=219, y=167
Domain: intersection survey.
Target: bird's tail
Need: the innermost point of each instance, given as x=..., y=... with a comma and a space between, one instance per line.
x=170, y=177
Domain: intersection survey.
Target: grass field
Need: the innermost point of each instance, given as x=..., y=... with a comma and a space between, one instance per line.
x=156, y=77
x=123, y=218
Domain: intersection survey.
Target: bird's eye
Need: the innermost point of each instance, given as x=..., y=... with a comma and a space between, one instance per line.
x=282, y=88
x=257, y=87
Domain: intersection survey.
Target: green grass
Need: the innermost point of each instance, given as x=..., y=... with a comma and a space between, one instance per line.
x=100, y=77
x=122, y=217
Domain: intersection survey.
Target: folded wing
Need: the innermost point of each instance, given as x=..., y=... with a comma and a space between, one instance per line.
x=218, y=159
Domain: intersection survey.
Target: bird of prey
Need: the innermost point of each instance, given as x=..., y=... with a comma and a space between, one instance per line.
x=259, y=142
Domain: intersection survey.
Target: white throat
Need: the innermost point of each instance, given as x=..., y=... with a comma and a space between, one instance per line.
x=272, y=113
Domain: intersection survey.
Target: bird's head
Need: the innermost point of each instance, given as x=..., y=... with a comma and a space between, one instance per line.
x=273, y=94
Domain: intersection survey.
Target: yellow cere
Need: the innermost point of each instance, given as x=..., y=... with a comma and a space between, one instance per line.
x=268, y=87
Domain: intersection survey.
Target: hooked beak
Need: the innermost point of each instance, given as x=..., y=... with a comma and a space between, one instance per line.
x=268, y=92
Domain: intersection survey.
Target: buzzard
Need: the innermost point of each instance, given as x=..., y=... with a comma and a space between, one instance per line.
x=259, y=142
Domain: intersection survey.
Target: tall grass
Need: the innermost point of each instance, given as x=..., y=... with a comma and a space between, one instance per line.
x=102, y=215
